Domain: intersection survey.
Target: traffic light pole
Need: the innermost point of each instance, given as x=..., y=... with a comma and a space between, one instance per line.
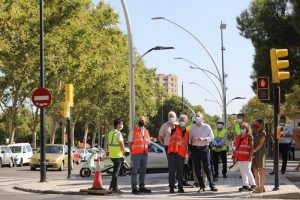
x=69, y=146
x=276, y=89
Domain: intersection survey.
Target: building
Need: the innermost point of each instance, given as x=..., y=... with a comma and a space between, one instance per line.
x=169, y=82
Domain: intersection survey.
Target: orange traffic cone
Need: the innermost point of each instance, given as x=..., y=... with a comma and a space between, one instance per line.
x=97, y=184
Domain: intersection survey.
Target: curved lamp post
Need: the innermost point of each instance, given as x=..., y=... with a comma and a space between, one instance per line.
x=209, y=54
x=157, y=48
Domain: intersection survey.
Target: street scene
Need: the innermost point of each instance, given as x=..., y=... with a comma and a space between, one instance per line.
x=149, y=99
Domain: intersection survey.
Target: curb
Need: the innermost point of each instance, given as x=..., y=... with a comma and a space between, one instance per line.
x=291, y=195
x=49, y=191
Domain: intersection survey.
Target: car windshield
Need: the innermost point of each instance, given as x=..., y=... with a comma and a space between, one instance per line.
x=16, y=149
x=54, y=149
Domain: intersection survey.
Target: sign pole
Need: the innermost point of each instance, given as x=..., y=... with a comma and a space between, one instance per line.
x=42, y=110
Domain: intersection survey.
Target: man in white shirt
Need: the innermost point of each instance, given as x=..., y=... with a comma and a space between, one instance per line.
x=200, y=136
x=165, y=130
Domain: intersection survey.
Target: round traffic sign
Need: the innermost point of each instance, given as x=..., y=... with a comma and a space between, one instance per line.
x=41, y=97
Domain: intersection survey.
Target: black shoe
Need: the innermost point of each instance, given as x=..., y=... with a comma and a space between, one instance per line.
x=202, y=189
x=213, y=188
x=282, y=172
x=180, y=190
x=224, y=176
x=144, y=190
x=135, y=191
x=244, y=188
x=116, y=191
x=171, y=190
x=272, y=173
x=252, y=188
x=195, y=185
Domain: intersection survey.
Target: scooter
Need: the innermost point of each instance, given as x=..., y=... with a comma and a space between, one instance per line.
x=89, y=167
x=107, y=166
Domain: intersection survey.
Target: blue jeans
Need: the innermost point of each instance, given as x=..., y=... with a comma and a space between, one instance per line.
x=118, y=162
x=139, y=164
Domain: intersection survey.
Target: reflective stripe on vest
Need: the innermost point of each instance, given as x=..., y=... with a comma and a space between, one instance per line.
x=140, y=142
x=220, y=135
x=114, y=146
x=179, y=144
x=243, y=151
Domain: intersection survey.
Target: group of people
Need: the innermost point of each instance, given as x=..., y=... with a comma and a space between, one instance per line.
x=197, y=142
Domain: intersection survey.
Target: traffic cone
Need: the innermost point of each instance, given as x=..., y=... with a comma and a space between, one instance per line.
x=97, y=183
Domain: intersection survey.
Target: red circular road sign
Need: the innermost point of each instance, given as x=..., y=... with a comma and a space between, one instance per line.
x=41, y=97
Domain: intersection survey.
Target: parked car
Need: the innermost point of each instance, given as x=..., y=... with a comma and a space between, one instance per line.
x=56, y=157
x=84, y=154
x=6, y=156
x=76, y=155
x=22, y=153
x=157, y=158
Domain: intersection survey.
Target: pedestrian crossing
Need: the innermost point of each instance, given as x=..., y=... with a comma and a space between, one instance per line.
x=5, y=180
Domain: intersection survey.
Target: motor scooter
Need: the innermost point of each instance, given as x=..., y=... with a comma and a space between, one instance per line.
x=107, y=165
x=89, y=167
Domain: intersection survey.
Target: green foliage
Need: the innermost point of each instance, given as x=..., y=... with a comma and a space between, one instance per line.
x=293, y=101
x=272, y=24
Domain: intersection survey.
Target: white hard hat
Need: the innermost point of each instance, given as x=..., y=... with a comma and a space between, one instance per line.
x=220, y=121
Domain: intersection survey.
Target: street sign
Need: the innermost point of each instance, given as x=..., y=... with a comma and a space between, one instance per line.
x=41, y=97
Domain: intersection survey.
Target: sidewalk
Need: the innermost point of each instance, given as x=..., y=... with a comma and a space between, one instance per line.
x=158, y=183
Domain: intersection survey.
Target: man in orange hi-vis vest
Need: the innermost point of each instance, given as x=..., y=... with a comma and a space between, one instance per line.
x=138, y=143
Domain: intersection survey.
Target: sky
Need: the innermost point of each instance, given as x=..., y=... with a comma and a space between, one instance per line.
x=202, y=18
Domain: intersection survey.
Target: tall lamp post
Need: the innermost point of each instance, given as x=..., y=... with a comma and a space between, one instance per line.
x=222, y=27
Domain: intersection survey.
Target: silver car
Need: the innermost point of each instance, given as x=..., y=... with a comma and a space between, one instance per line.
x=6, y=156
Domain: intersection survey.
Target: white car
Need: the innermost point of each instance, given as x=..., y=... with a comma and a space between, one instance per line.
x=22, y=153
x=157, y=157
x=6, y=156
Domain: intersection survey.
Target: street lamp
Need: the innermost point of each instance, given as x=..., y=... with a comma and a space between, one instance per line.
x=213, y=96
x=205, y=72
x=157, y=48
x=215, y=102
x=234, y=99
x=209, y=54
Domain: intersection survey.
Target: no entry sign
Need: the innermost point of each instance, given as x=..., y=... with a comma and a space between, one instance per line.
x=41, y=97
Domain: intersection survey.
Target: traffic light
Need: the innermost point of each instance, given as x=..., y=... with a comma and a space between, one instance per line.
x=277, y=64
x=65, y=109
x=263, y=88
x=69, y=94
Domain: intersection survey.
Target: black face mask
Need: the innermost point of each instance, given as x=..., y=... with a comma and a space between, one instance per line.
x=141, y=123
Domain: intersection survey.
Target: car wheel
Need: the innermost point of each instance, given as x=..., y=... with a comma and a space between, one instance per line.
x=85, y=172
x=61, y=167
x=0, y=162
x=32, y=168
x=21, y=163
x=11, y=163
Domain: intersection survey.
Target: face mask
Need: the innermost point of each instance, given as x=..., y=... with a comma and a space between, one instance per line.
x=281, y=123
x=172, y=120
x=239, y=120
x=220, y=126
x=181, y=124
x=243, y=131
x=121, y=127
x=198, y=120
x=141, y=123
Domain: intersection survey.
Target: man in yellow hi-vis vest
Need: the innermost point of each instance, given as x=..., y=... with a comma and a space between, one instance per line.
x=237, y=128
x=116, y=153
x=220, y=149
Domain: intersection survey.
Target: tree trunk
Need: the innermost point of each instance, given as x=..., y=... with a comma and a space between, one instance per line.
x=34, y=127
x=34, y=139
x=53, y=127
x=86, y=130
x=105, y=137
x=94, y=137
x=12, y=130
x=73, y=129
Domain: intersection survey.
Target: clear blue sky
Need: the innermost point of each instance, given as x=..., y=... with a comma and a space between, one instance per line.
x=202, y=18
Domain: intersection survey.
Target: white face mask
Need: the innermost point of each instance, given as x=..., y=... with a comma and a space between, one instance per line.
x=121, y=127
x=220, y=126
x=198, y=120
x=240, y=120
x=243, y=131
x=172, y=120
x=181, y=124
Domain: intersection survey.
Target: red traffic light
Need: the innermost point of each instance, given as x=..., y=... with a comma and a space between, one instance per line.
x=263, y=82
